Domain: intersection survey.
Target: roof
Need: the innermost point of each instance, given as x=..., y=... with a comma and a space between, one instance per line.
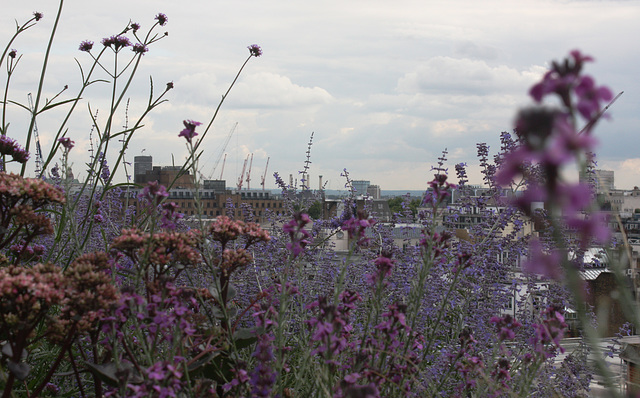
x=591, y=274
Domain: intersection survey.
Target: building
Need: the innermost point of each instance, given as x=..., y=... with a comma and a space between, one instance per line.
x=360, y=186
x=211, y=199
x=603, y=180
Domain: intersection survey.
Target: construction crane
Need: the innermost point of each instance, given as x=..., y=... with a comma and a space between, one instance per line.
x=241, y=179
x=224, y=146
x=222, y=169
x=264, y=176
x=39, y=160
x=249, y=173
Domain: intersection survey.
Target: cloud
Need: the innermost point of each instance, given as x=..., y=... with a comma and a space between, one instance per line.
x=270, y=90
x=465, y=76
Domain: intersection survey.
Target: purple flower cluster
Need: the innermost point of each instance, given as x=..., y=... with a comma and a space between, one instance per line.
x=297, y=232
x=548, y=140
x=255, y=50
x=86, y=46
x=66, y=143
x=115, y=42
x=8, y=146
x=189, y=131
x=549, y=332
x=162, y=19
x=357, y=227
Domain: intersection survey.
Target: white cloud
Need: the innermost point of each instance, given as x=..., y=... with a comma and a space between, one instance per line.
x=449, y=75
x=270, y=90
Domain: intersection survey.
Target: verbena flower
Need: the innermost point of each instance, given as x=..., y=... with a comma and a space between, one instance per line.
x=135, y=27
x=116, y=42
x=66, y=142
x=37, y=15
x=255, y=50
x=8, y=146
x=86, y=46
x=13, y=53
x=162, y=19
x=139, y=48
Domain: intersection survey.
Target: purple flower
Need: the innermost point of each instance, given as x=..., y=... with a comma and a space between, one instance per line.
x=135, y=26
x=189, y=130
x=255, y=50
x=8, y=146
x=140, y=48
x=13, y=53
x=37, y=15
x=66, y=142
x=592, y=227
x=116, y=42
x=154, y=192
x=299, y=236
x=86, y=46
x=162, y=19
x=506, y=326
x=546, y=264
x=590, y=97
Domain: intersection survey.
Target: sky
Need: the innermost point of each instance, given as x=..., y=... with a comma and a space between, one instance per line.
x=384, y=86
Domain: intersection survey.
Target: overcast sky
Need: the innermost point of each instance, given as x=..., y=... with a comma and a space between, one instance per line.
x=385, y=86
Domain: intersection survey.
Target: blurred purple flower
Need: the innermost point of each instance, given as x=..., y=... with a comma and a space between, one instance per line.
x=189, y=130
x=66, y=142
x=548, y=264
x=135, y=26
x=590, y=97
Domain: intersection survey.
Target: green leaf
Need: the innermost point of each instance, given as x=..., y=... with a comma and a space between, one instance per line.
x=109, y=373
x=203, y=361
x=244, y=337
x=231, y=292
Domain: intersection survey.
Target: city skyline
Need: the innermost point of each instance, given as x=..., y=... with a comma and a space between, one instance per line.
x=385, y=88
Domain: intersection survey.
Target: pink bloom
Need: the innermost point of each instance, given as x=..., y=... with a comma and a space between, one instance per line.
x=189, y=129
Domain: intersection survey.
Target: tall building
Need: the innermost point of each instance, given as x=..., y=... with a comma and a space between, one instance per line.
x=374, y=191
x=141, y=164
x=360, y=186
x=604, y=180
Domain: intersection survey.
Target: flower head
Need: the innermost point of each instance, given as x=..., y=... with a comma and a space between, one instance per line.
x=66, y=142
x=86, y=46
x=8, y=146
x=135, y=26
x=37, y=15
x=162, y=19
x=140, y=48
x=189, y=130
x=255, y=50
x=13, y=53
x=116, y=42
